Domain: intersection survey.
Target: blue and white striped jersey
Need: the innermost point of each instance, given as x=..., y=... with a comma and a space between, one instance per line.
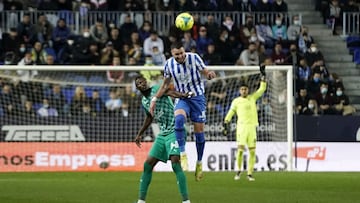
x=187, y=76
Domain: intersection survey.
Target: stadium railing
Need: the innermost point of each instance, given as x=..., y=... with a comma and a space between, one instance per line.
x=351, y=24
x=162, y=21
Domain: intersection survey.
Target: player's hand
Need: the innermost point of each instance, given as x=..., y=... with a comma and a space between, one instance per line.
x=262, y=70
x=152, y=105
x=226, y=128
x=138, y=140
x=188, y=94
x=210, y=75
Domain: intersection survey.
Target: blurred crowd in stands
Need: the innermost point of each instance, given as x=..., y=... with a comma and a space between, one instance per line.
x=267, y=36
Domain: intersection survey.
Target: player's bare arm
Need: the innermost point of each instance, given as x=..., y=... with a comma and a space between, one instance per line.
x=209, y=74
x=177, y=94
x=164, y=87
x=147, y=122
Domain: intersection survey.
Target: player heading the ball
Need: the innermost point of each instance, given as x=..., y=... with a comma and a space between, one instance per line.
x=185, y=69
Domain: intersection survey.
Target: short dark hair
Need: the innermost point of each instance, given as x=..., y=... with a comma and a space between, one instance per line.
x=139, y=77
x=243, y=84
x=176, y=45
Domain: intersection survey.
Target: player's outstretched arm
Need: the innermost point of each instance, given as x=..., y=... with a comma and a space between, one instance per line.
x=209, y=74
x=177, y=94
x=164, y=87
x=147, y=122
x=260, y=91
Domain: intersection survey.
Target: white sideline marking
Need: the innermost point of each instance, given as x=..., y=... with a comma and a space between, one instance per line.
x=35, y=179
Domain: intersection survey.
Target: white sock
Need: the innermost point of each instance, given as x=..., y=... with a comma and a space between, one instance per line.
x=141, y=201
x=187, y=201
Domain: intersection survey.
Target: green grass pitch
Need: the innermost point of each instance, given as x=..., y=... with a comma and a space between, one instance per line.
x=216, y=187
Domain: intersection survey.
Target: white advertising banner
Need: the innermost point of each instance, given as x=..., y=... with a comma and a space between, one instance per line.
x=272, y=156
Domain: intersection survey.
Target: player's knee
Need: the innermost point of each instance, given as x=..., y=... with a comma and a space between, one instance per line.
x=200, y=137
x=148, y=166
x=179, y=122
x=252, y=151
x=176, y=167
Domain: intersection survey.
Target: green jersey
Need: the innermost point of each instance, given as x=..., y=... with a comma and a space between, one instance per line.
x=164, y=111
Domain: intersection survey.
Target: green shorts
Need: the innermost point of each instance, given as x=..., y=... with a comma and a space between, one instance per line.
x=246, y=135
x=164, y=146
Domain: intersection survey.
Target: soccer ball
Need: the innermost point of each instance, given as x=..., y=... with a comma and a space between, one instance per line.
x=184, y=21
x=104, y=165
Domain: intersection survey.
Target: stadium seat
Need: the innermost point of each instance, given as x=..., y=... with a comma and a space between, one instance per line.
x=37, y=106
x=80, y=78
x=352, y=38
x=88, y=91
x=68, y=93
x=51, y=52
x=96, y=79
x=104, y=93
x=357, y=56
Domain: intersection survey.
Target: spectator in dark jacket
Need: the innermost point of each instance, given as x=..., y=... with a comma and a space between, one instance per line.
x=60, y=35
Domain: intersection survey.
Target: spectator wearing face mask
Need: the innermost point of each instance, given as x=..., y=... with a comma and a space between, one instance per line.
x=293, y=31
x=325, y=100
x=68, y=54
x=335, y=82
x=311, y=109
x=230, y=26
x=279, y=29
x=322, y=69
x=313, y=85
x=151, y=76
x=313, y=56
x=342, y=104
x=84, y=41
